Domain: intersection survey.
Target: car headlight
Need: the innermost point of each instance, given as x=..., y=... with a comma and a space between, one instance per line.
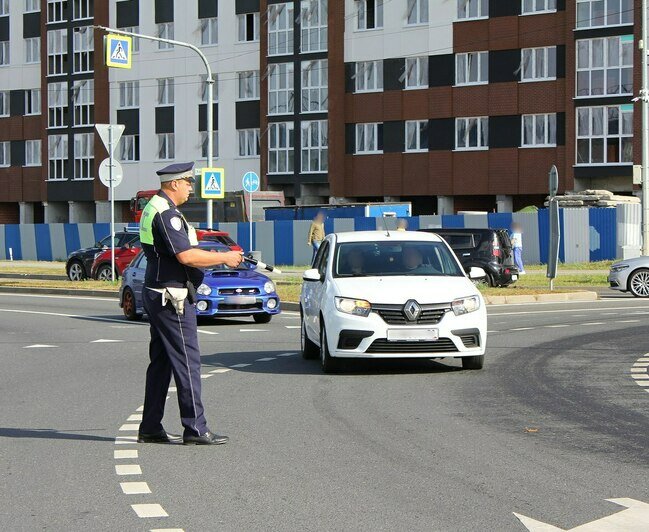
x=465, y=305
x=204, y=290
x=269, y=287
x=618, y=267
x=357, y=307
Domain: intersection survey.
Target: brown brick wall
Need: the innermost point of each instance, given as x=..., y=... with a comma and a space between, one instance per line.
x=9, y=213
x=337, y=101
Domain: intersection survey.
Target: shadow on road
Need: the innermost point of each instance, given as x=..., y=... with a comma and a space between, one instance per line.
x=50, y=434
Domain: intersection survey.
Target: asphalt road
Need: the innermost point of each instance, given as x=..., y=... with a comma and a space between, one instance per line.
x=553, y=426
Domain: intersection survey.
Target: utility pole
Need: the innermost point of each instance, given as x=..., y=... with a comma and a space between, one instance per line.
x=210, y=95
x=644, y=96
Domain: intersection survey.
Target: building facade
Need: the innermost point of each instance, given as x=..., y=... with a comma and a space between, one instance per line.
x=454, y=105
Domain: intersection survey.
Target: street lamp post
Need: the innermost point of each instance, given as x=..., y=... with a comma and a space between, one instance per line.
x=644, y=96
x=210, y=94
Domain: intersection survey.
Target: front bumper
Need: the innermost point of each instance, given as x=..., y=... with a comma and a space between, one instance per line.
x=237, y=305
x=357, y=337
x=618, y=280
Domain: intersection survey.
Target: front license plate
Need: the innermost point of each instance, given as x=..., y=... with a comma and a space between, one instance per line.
x=414, y=335
x=514, y=277
x=241, y=300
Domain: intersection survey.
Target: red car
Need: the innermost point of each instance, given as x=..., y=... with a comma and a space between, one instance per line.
x=125, y=254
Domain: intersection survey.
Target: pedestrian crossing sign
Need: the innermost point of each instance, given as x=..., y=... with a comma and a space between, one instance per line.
x=118, y=51
x=213, y=183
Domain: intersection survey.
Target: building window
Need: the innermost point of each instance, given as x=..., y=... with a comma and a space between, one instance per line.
x=416, y=73
x=280, y=29
x=539, y=130
x=83, y=99
x=166, y=147
x=416, y=135
x=5, y=154
x=468, y=9
x=314, y=147
x=248, y=85
x=417, y=12
x=84, y=154
x=538, y=6
x=472, y=68
x=314, y=25
x=165, y=31
x=209, y=31
x=5, y=58
x=597, y=13
x=315, y=86
x=605, y=66
x=166, y=91
x=369, y=76
x=33, y=102
x=280, y=147
x=84, y=45
x=215, y=88
x=33, y=50
x=129, y=148
x=33, y=152
x=248, y=142
x=129, y=94
x=57, y=154
x=370, y=14
x=605, y=135
x=4, y=103
x=539, y=64
x=57, y=52
x=56, y=10
x=57, y=103
x=471, y=133
x=369, y=138
x=280, y=89
x=135, y=41
x=82, y=9
x=215, y=144
x=248, y=27
x=32, y=6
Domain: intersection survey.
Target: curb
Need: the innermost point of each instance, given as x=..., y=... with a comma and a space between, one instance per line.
x=59, y=291
x=35, y=276
x=542, y=298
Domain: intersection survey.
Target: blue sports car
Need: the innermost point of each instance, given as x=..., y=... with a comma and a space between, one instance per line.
x=225, y=291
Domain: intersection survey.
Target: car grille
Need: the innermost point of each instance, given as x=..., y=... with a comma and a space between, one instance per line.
x=238, y=291
x=393, y=314
x=443, y=345
x=253, y=306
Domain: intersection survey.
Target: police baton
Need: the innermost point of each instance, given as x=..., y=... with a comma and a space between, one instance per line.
x=261, y=265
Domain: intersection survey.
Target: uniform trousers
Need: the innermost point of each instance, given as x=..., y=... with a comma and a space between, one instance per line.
x=173, y=349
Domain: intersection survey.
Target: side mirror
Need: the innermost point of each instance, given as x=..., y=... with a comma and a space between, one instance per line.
x=312, y=275
x=476, y=273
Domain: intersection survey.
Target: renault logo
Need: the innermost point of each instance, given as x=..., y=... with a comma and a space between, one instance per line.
x=412, y=310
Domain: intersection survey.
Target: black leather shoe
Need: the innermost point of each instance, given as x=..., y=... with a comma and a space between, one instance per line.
x=158, y=437
x=208, y=438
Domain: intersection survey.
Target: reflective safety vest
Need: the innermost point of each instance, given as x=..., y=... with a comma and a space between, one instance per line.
x=158, y=205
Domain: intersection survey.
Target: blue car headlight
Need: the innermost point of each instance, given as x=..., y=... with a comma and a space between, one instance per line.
x=269, y=287
x=204, y=290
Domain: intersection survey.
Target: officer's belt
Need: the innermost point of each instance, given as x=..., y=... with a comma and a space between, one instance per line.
x=176, y=296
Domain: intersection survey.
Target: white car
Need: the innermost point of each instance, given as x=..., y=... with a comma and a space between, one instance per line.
x=400, y=294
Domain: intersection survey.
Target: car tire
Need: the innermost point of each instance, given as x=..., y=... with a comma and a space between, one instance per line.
x=262, y=318
x=104, y=273
x=129, y=306
x=639, y=283
x=329, y=364
x=309, y=349
x=76, y=271
x=473, y=362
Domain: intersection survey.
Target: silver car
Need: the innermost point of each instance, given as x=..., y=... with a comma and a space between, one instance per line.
x=631, y=275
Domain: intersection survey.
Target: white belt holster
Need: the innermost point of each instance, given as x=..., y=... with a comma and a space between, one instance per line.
x=177, y=297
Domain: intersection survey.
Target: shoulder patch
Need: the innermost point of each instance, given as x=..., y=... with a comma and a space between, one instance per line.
x=176, y=223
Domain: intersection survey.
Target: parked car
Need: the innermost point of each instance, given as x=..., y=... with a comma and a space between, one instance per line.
x=124, y=255
x=79, y=263
x=489, y=249
x=210, y=235
x=398, y=295
x=225, y=292
x=630, y=275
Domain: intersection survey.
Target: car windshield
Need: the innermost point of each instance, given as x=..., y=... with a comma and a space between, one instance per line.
x=223, y=267
x=361, y=259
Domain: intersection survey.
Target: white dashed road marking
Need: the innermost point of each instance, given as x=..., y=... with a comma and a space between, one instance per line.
x=135, y=417
x=556, y=326
x=206, y=332
x=125, y=440
x=38, y=346
x=129, y=427
x=268, y=359
x=128, y=469
x=126, y=453
x=241, y=365
x=253, y=330
x=640, y=372
x=149, y=510
x=292, y=326
x=220, y=370
x=105, y=341
x=206, y=376
x=135, y=488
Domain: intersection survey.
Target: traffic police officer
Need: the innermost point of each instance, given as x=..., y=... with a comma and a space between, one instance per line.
x=172, y=275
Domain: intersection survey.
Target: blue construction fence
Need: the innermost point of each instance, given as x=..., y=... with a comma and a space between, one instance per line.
x=587, y=234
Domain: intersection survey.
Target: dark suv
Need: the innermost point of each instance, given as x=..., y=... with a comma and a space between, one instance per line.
x=489, y=249
x=79, y=262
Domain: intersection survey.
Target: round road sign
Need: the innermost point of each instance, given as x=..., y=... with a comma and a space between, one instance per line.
x=104, y=171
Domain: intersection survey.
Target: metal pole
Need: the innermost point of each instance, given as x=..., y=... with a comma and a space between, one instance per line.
x=645, y=134
x=111, y=191
x=250, y=219
x=210, y=87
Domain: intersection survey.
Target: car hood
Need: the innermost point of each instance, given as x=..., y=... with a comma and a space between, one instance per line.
x=84, y=251
x=635, y=262
x=399, y=289
x=234, y=278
